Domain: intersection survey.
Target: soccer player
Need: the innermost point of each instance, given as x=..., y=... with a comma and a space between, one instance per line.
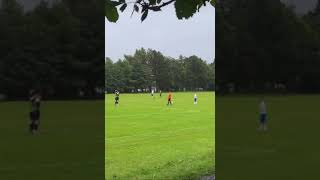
x=35, y=99
x=160, y=93
x=263, y=115
x=169, y=98
x=152, y=92
x=117, y=97
x=195, y=99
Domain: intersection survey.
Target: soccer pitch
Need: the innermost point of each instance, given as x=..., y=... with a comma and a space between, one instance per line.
x=146, y=139
x=288, y=151
x=70, y=144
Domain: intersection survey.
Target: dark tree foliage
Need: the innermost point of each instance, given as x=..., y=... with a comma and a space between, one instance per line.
x=263, y=46
x=146, y=69
x=184, y=8
x=54, y=48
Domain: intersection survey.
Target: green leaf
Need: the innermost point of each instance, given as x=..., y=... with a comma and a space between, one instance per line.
x=213, y=3
x=144, y=7
x=123, y=7
x=144, y=15
x=136, y=8
x=111, y=12
x=199, y=7
x=186, y=8
x=152, y=2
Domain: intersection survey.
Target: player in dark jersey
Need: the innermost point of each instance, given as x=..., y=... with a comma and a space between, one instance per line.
x=169, y=99
x=117, y=97
x=35, y=99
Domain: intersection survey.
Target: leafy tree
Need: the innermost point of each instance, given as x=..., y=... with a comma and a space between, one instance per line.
x=150, y=68
x=184, y=8
x=52, y=47
x=264, y=43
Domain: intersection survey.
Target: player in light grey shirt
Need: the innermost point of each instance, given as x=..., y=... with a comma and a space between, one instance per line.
x=263, y=115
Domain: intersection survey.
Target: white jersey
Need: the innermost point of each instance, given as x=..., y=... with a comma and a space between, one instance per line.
x=263, y=108
x=195, y=96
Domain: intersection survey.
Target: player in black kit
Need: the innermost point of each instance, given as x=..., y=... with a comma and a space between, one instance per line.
x=35, y=99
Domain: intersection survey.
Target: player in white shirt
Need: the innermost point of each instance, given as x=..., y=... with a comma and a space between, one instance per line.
x=263, y=115
x=195, y=99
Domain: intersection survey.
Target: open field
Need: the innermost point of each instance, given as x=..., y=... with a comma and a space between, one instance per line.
x=146, y=139
x=69, y=146
x=288, y=151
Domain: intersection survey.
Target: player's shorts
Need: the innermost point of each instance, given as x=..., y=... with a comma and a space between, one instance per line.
x=195, y=99
x=263, y=118
x=116, y=98
x=34, y=115
x=169, y=99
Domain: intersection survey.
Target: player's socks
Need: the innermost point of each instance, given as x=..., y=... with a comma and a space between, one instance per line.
x=265, y=128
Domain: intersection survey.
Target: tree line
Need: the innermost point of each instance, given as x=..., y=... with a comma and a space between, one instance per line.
x=264, y=46
x=57, y=48
x=148, y=69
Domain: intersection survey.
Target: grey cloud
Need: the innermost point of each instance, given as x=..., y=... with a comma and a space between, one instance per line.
x=162, y=31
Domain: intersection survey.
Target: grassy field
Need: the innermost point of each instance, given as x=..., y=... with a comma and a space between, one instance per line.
x=69, y=146
x=288, y=151
x=146, y=139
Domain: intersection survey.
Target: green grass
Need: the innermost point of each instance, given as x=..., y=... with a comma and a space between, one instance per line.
x=145, y=139
x=69, y=146
x=288, y=151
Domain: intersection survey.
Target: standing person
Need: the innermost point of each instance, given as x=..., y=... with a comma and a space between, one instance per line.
x=195, y=99
x=263, y=115
x=117, y=97
x=169, y=98
x=35, y=99
x=160, y=93
x=152, y=92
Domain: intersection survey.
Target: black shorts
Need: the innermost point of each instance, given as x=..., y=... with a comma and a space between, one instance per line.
x=263, y=118
x=34, y=115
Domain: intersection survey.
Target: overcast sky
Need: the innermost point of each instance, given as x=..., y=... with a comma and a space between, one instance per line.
x=162, y=31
